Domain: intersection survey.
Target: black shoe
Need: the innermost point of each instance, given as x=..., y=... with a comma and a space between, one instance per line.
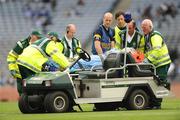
x=157, y=107
x=73, y=110
x=95, y=109
x=168, y=86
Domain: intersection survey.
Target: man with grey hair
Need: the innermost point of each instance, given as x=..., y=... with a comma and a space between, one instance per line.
x=156, y=51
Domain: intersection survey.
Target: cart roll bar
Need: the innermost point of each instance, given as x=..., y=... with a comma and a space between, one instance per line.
x=123, y=67
x=127, y=18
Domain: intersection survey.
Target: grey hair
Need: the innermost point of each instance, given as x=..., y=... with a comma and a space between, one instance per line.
x=149, y=22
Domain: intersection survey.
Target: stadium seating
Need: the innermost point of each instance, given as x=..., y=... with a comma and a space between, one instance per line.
x=168, y=30
x=14, y=25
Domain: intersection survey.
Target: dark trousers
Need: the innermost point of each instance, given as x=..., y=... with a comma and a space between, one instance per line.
x=162, y=72
x=19, y=86
x=25, y=72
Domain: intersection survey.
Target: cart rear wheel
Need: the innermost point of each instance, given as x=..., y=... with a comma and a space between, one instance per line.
x=138, y=100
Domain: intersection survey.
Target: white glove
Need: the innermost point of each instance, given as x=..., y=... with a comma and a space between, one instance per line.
x=128, y=50
x=145, y=60
x=113, y=50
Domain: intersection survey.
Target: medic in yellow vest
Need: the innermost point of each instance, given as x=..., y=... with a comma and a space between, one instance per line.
x=156, y=51
x=121, y=25
x=55, y=37
x=18, y=49
x=36, y=57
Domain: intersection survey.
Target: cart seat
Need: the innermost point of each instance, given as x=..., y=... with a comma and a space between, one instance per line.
x=113, y=60
x=133, y=71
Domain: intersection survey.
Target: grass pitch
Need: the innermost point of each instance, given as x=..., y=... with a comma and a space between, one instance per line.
x=170, y=111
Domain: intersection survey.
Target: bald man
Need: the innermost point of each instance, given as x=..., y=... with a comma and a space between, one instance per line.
x=103, y=39
x=70, y=43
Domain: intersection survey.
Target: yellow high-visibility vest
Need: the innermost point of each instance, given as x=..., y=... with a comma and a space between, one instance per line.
x=35, y=55
x=118, y=40
x=156, y=50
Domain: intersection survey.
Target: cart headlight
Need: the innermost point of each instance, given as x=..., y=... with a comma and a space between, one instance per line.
x=24, y=83
x=47, y=83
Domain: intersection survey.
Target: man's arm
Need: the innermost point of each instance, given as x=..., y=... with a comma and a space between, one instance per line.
x=97, y=41
x=98, y=48
x=57, y=55
x=113, y=39
x=12, y=65
x=13, y=56
x=112, y=44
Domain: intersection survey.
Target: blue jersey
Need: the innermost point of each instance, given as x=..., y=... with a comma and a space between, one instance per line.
x=105, y=37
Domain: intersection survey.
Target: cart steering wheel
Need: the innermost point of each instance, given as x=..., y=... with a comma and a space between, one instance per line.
x=83, y=54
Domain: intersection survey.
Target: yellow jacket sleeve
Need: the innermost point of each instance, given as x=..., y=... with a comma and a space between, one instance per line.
x=12, y=64
x=155, y=52
x=56, y=54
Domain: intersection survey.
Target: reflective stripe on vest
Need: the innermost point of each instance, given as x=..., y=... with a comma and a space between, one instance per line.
x=162, y=62
x=158, y=55
x=41, y=52
x=158, y=58
x=138, y=40
x=11, y=62
x=39, y=47
x=148, y=46
x=53, y=52
x=20, y=44
x=28, y=65
x=14, y=53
